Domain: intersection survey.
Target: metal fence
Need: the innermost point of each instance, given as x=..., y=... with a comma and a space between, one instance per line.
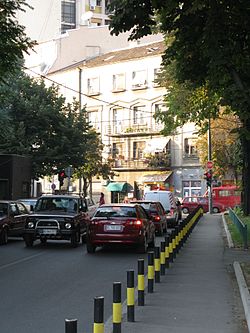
x=242, y=227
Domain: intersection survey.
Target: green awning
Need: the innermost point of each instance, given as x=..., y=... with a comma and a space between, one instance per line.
x=119, y=187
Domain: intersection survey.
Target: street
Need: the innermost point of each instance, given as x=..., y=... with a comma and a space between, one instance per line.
x=44, y=285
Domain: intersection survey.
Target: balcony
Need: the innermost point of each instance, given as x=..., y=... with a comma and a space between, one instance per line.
x=154, y=163
x=133, y=130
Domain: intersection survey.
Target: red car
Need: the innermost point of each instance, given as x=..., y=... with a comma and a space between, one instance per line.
x=190, y=203
x=127, y=224
x=157, y=213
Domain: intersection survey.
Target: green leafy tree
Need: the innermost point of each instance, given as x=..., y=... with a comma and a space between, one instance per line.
x=13, y=41
x=208, y=47
x=40, y=125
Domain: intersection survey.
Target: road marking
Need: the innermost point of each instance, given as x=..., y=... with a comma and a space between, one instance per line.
x=21, y=260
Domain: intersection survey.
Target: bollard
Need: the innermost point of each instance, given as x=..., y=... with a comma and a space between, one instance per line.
x=171, y=257
x=117, y=307
x=163, y=260
x=98, y=314
x=70, y=325
x=177, y=239
x=167, y=251
x=141, y=287
x=174, y=242
x=157, y=264
x=130, y=296
x=151, y=272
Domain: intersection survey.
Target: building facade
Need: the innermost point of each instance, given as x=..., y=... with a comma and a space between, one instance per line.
x=121, y=94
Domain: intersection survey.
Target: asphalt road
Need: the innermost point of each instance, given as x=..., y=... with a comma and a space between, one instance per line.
x=42, y=286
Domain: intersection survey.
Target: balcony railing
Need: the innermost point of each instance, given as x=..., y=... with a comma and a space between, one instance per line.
x=137, y=129
x=140, y=164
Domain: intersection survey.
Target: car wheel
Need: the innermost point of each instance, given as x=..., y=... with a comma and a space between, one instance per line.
x=90, y=247
x=144, y=246
x=28, y=239
x=185, y=210
x=4, y=236
x=75, y=239
x=216, y=210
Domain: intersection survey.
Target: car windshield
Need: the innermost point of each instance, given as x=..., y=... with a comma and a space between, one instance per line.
x=63, y=204
x=109, y=212
x=151, y=207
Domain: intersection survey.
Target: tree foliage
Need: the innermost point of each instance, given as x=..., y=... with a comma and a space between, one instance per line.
x=13, y=41
x=208, y=46
x=37, y=122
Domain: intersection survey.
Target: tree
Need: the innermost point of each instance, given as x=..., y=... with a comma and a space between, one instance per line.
x=13, y=41
x=39, y=124
x=208, y=46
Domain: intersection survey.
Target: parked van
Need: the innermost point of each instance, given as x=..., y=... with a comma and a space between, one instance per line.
x=228, y=196
x=167, y=199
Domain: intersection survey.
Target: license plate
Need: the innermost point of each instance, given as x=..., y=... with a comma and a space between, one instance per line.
x=48, y=231
x=113, y=228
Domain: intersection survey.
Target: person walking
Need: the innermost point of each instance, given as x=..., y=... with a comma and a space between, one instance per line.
x=101, y=200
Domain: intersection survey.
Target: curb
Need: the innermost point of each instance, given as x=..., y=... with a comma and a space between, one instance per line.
x=229, y=238
x=244, y=292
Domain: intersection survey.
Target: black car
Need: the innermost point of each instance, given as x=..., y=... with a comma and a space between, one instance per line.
x=57, y=217
x=13, y=215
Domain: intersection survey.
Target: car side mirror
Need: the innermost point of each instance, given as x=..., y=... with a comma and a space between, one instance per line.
x=167, y=211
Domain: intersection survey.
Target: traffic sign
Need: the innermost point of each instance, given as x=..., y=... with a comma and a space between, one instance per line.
x=69, y=171
x=209, y=164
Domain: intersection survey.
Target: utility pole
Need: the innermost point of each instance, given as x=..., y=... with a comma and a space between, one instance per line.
x=210, y=188
x=80, y=109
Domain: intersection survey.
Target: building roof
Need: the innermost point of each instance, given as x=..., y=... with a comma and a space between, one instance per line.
x=147, y=50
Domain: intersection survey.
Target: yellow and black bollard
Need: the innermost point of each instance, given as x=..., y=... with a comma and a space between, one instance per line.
x=98, y=314
x=151, y=272
x=70, y=325
x=163, y=259
x=117, y=307
x=157, y=264
x=174, y=242
x=130, y=296
x=141, y=285
x=171, y=256
x=167, y=251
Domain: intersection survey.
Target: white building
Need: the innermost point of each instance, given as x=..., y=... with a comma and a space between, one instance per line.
x=48, y=19
x=121, y=96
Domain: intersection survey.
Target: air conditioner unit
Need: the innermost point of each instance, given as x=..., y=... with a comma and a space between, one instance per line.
x=92, y=7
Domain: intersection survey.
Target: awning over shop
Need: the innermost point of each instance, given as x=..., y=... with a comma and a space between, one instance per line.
x=119, y=187
x=156, y=178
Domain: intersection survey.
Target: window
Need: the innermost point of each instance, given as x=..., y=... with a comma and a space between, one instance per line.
x=190, y=147
x=68, y=16
x=138, y=148
x=191, y=188
x=138, y=115
x=139, y=79
x=157, y=71
x=93, y=86
x=94, y=119
x=117, y=121
x=119, y=82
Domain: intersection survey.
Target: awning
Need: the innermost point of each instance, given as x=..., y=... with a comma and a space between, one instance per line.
x=155, y=178
x=119, y=187
x=156, y=145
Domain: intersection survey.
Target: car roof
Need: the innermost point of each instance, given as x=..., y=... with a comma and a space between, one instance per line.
x=146, y=201
x=54, y=196
x=119, y=205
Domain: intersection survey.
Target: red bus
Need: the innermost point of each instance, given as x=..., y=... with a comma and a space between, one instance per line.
x=229, y=195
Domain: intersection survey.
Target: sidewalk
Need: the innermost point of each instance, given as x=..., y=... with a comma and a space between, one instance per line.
x=199, y=293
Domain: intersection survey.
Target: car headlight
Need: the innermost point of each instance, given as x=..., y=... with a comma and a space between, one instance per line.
x=31, y=225
x=68, y=225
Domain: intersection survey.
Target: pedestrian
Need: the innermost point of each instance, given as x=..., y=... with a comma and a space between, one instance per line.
x=101, y=201
x=125, y=200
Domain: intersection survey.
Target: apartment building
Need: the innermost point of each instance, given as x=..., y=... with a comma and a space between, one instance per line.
x=121, y=94
x=48, y=19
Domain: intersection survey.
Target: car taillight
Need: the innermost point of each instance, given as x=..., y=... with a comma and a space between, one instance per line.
x=157, y=218
x=134, y=222
x=94, y=222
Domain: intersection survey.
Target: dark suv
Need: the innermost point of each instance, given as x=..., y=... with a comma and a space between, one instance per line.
x=12, y=219
x=57, y=217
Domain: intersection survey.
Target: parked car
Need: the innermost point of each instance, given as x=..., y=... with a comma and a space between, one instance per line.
x=157, y=213
x=57, y=217
x=13, y=215
x=190, y=203
x=120, y=224
x=29, y=203
x=168, y=201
